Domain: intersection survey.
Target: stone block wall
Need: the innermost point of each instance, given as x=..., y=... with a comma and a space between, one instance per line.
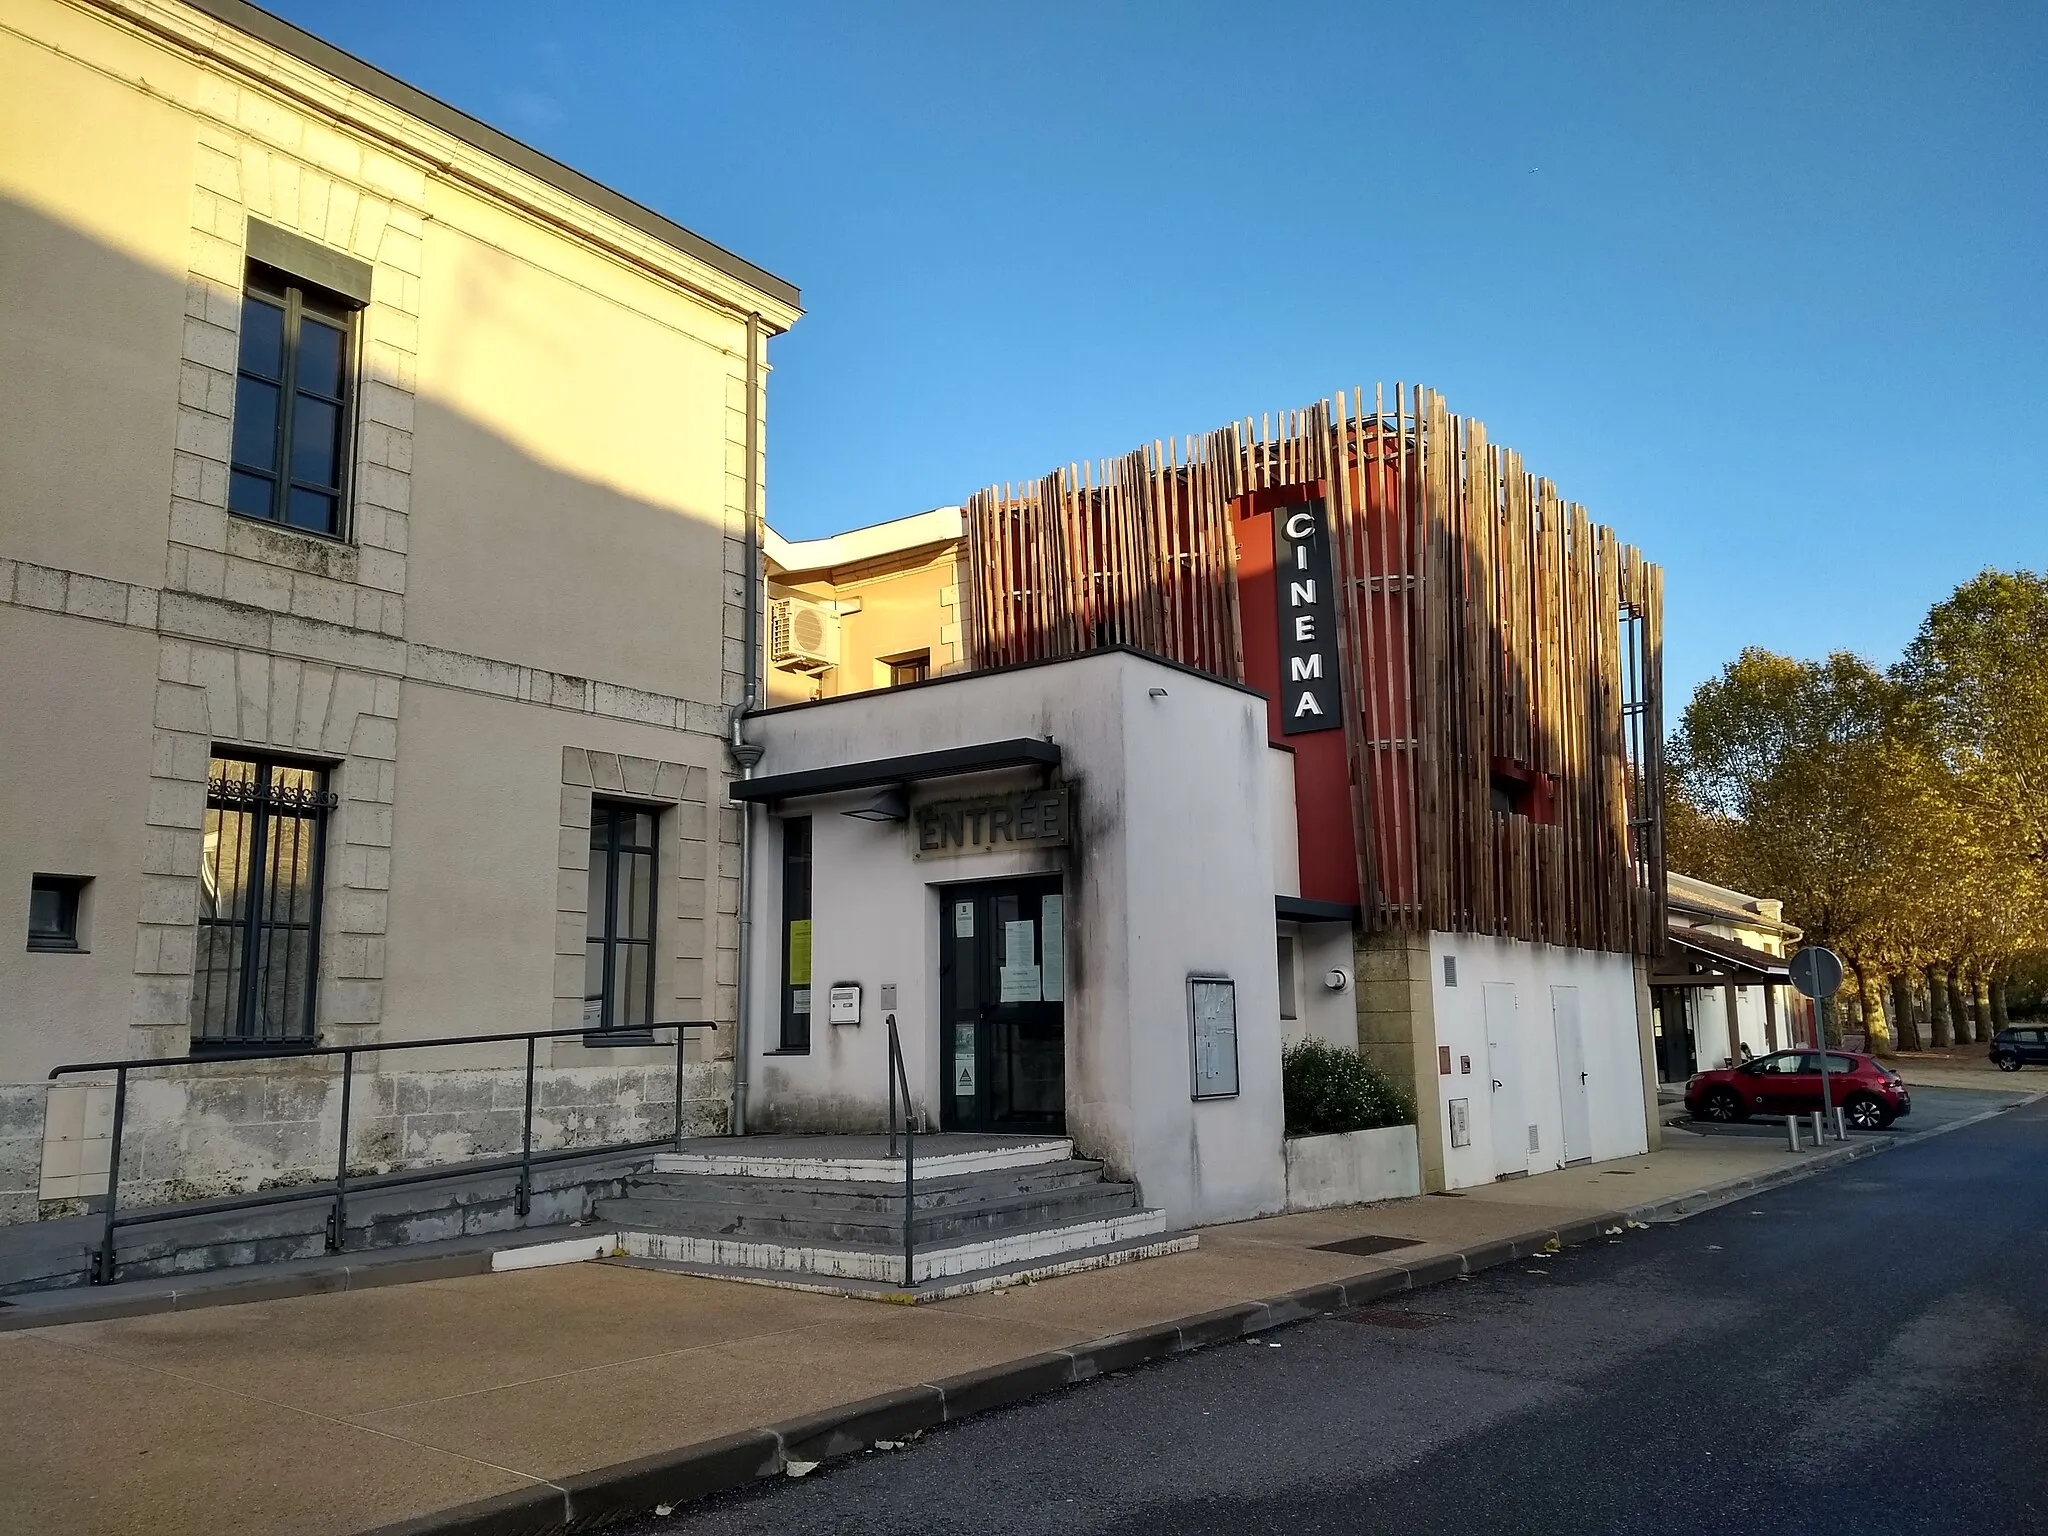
x=1397, y=1030
x=273, y=1125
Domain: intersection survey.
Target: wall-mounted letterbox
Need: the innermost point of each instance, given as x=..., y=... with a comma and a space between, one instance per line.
x=844, y=1002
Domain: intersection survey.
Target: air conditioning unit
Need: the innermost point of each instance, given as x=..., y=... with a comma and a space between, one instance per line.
x=803, y=636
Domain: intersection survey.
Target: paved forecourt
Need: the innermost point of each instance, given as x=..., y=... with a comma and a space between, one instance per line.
x=343, y=1412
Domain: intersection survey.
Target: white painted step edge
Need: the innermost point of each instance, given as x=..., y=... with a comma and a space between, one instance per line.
x=569, y=1250
x=886, y=1266
x=865, y=1170
x=968, y=1285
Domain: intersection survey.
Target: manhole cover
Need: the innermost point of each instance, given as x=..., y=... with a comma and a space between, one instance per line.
x=1395, y=1317
x=1368, y=1244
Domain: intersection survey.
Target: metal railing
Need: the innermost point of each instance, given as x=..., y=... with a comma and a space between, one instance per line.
x=899, y=1076
x=101, y=1265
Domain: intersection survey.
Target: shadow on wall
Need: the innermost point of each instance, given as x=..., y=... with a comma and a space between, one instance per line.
x=506, y=557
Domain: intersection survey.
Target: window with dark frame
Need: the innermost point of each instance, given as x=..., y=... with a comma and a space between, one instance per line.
x=1288, y=1007
x=260, y=873
x=292, y=403
x=618, y=951
x=53, y=903
x=796, y=933
x=910, y=669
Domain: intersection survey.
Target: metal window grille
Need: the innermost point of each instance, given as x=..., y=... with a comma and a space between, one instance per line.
x=295, y=367
x=618, y=952
x=260, y=873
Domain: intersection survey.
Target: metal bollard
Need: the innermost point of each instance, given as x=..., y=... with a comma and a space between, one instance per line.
x=1819, y=1135
x=1792, y=1130
x=1841, y=1126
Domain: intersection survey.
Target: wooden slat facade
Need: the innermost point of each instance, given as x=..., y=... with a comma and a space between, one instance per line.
x=1484, y=622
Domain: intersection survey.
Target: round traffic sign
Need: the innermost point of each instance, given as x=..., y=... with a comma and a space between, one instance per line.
x=1817, y=972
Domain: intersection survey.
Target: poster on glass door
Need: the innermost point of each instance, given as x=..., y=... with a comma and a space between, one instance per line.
x=1019, y=977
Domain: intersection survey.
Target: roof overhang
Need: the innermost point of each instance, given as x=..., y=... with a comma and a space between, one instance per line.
x=1693, y=958
x=951, y=762
x=1299, y=909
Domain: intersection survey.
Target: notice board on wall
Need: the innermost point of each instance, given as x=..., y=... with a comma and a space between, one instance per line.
x=1212, y=1033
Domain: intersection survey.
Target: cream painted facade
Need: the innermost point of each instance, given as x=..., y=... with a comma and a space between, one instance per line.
x=1721, y=1022
x=890, y=594
x=535, y=601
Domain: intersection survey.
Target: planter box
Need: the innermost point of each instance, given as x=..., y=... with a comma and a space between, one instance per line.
x=1352, y=1168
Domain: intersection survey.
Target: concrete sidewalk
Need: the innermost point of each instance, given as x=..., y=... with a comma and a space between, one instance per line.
x=595, y=1387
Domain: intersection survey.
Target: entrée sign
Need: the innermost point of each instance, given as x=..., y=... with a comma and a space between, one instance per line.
x=1308, y=620
x=1030, y=818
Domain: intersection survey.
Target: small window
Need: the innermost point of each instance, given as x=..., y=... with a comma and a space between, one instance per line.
x=910, y=669
x=53, y=903
x=1289, y=1009
x=293, y=400
x=618, y=950
x=796, y=933
x=1514, y=789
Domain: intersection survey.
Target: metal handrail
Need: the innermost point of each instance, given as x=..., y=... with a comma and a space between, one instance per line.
x=898, y=1074
x=101, y=1264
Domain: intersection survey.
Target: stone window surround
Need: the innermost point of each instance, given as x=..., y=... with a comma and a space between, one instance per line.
x=241, y=677
x=679, y=792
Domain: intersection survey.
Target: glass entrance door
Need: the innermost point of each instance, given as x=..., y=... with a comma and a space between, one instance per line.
x=1002, y=1000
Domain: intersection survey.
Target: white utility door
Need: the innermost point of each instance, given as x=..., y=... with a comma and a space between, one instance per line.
x=1571, y=1075
x=1504, y=1062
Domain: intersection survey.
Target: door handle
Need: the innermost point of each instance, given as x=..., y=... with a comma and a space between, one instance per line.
x=1496, y=1082
x=1582, y=1077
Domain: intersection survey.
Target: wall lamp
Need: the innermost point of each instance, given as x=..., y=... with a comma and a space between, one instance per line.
x=890, y=805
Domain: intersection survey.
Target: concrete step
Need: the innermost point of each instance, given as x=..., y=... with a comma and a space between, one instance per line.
x=873, y=1219
x=870, y=1262
x=1101, y=1256
x=865, y=1196
x=861, y=1159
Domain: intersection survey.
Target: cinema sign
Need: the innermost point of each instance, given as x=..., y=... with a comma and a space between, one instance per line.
x=1309, y=692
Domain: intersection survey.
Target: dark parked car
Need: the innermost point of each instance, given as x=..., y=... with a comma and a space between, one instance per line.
x=2012, y=1049
x=1788, y=1083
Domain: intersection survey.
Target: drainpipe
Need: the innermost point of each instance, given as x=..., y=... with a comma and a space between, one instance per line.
x=746, y=754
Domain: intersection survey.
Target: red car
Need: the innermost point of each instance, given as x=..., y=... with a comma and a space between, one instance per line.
x=1871, y=1094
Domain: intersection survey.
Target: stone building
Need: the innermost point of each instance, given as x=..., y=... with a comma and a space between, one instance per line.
x=374, y=497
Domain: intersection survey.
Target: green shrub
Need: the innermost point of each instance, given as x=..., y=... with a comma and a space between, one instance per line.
x=1328, y=1089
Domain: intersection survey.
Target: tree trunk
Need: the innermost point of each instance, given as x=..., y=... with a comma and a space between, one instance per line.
x=1940, y=1031
x=1959, y=1008
x=1877, y=1029
x=2000, y=1019
x=1905, y=1026
x=1980, y=1007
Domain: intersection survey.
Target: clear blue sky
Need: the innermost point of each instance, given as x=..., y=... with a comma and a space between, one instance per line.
x=1765, y=286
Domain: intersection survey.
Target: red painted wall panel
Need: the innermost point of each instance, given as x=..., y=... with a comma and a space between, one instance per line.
x=1322, y=772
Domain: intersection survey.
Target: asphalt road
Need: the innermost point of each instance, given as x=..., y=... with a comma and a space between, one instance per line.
x=1934, y=1109
x=1864, y=1352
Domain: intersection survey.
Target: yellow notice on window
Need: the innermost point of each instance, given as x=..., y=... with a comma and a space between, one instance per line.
x=800, y=952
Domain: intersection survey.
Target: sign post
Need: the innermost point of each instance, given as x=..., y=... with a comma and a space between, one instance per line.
x=1817, y=973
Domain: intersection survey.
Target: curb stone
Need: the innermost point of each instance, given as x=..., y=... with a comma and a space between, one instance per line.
x=1696, y=1201
x=719, y=1466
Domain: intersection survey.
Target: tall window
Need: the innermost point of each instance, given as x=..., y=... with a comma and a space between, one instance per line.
x=259, y=902
x=618, y=951
x=292, y=403
x=796, y=933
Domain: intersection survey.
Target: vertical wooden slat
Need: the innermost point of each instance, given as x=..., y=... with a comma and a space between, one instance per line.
x=1479, y=617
